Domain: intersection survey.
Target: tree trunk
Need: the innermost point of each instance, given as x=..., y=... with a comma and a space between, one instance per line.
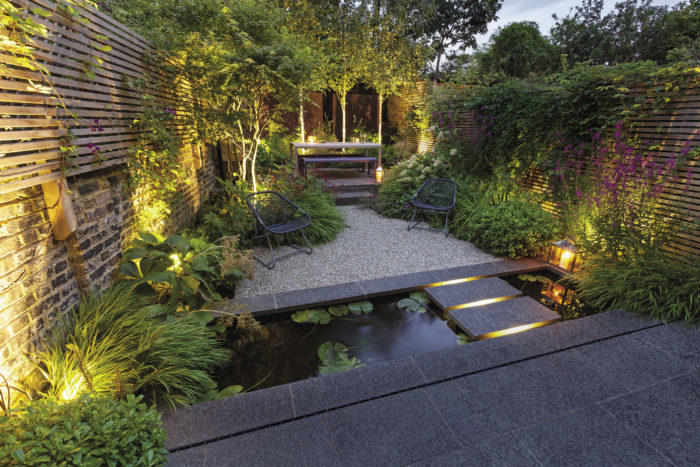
x=343, y=103
x=440, y=50
x=301, y=115
x=380, y=101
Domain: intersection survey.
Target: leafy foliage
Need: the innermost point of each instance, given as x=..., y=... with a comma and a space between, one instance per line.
x=90, y=430
x=511, y=229
x=649, y=283
x=334, y=358
x=115, y=344
x=519, y=50
x=182, y=269
x=463, y=339
x=634, y=30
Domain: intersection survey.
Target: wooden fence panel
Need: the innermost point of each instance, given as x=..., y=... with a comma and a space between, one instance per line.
x=95, y=102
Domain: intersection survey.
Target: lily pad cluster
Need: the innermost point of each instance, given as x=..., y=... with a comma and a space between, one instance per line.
x=334, y=358
x=324, y=315
x=416, y=302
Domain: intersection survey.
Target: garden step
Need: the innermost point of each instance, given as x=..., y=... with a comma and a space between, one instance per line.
x=501, y=318
x=471, y=293
x=351, y=197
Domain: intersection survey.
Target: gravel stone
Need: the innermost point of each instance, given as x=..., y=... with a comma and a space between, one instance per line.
x=370, y=247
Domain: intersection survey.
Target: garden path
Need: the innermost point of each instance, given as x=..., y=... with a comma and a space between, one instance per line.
x=370, y=247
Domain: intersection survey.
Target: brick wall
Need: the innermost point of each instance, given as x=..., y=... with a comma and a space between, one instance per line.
x=41, y=278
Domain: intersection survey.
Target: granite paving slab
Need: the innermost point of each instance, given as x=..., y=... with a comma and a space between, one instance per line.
x=486, y=404
x=587, y=437
x=482, y=320
x=281, y=445
x=501, y=451
x=395, y=430
x=447, y=297
x=356, y=385
x=665, y=415
x=563, y=381
x=674, y=339
x=203, y=422
x=633, y=362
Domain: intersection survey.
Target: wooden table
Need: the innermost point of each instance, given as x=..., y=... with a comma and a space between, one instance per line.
x=296, y=146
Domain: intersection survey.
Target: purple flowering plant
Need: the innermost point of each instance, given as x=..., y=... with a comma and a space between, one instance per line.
x=609, y=191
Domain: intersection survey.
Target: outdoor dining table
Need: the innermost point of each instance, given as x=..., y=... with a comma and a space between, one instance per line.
x=297, y=150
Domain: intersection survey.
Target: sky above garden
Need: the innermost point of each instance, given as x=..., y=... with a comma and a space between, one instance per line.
x=541, y=11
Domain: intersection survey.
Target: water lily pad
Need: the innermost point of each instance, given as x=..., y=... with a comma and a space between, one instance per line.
x=334, y=358
x=363, y=306
x=420, y=296
x=315, y=316
x=338, y=310
x=409, y=304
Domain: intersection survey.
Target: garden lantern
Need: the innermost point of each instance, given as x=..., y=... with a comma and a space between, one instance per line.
x=564, y=255
x=559, y=294
x=379, y=175
x=311, y=139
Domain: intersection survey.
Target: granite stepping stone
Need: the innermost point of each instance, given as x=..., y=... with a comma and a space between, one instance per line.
x=466, y=294
x=482, y=322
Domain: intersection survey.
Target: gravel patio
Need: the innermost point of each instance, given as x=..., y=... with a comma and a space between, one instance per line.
x=370, y=247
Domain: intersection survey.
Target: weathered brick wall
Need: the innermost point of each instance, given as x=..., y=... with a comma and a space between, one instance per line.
x=41, y=278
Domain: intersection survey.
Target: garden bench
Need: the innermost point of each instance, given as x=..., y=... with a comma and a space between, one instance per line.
x=330, y=159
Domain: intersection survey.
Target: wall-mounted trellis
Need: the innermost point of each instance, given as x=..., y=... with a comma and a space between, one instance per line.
x=86, y=90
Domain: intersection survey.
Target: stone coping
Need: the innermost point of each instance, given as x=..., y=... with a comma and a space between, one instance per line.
x=261, y=305
x=203, y=423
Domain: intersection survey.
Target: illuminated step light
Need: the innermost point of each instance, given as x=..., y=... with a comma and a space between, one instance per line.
x=455, y=281
x=482, y=302
x=514, y=330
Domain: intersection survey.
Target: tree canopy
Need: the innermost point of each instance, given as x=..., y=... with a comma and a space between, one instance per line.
x=519, y=50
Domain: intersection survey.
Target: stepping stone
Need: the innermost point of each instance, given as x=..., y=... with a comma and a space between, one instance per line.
x=518, y=314
x=465, y=294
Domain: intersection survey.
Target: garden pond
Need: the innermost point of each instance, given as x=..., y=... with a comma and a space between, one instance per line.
x=295, y=346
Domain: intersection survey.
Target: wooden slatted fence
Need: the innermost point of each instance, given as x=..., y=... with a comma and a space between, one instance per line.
x=34, y=120
x=669, y=129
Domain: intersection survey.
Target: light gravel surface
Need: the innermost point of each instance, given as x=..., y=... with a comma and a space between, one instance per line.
x=370, y=247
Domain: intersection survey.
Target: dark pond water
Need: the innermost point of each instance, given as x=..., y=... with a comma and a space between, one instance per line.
x=556, y=296
x=286, y=351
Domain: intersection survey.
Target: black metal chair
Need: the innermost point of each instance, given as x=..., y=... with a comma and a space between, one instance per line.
x=275, y=214
x=435, y=196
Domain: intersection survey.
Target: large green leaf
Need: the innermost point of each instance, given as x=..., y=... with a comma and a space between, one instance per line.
x=338, y=310
x=315, y=316
x=363, y=306
x=409, y=304
x=420, y=297
x=334, y=358
x=179, y=242
x=129, y=269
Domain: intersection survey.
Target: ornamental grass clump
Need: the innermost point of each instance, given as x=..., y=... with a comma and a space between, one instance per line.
x=112, y=344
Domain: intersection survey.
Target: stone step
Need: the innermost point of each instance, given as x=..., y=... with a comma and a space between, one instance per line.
x=501, y=318
x=471, y=293
x=351, y=197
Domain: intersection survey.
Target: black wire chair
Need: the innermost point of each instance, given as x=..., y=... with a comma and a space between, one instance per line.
x=274, y=214
x=435, y=196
